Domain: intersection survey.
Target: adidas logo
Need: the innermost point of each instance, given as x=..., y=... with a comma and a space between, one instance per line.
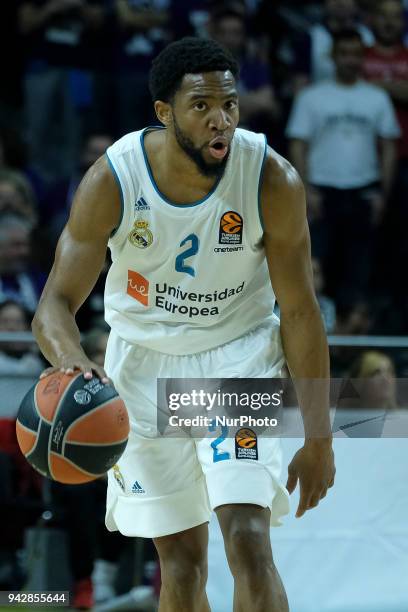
x=141, y=204
x=137, y=488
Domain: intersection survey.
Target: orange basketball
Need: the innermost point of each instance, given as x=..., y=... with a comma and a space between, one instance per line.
x=71, y=429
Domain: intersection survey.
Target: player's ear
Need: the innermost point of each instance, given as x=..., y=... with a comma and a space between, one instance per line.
x=163, y=112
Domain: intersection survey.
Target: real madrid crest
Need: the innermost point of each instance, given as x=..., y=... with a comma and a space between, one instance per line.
x=118, y=477
x=140, y=236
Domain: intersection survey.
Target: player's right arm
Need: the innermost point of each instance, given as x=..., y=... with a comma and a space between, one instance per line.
x=79, y=258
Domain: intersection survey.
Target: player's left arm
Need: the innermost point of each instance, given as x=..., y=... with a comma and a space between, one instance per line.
x=287, y=248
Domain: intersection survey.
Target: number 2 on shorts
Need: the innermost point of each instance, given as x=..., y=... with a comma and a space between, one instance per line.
x=193, y=250
x=219, y=455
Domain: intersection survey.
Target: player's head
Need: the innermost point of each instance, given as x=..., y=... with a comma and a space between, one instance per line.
x=192, y=83
x=388, y=22
x=348, y=54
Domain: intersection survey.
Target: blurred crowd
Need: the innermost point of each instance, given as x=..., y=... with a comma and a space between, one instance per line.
x=327, y=82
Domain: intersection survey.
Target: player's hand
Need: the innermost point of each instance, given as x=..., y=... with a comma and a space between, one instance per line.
x=313, y=466
x=87, y=367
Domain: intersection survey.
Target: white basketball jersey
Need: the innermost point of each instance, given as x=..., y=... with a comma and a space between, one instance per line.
x=188, y=277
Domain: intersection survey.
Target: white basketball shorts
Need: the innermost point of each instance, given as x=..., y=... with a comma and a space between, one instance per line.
x=163, y=485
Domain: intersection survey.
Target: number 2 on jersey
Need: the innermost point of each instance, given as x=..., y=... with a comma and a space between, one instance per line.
x=219, y=455
x=192, y=250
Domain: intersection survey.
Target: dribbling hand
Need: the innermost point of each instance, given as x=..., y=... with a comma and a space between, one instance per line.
x=87, y=367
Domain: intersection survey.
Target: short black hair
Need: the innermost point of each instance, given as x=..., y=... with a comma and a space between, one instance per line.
x=347, y=34
x=189, y=55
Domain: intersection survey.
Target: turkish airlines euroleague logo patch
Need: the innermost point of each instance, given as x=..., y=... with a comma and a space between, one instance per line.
x=231, y=224
x=138, y=287
x=246, y=444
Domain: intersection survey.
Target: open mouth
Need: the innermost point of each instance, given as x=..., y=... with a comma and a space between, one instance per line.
x=218, y=148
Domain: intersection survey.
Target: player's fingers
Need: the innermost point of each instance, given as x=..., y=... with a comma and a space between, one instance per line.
x=102, y=375
x=68, y=370
x=291, y=482
x=303, y=502
x=314, y=501
x=48, y=371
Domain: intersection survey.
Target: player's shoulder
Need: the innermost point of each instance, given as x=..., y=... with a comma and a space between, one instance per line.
x=279, y=174
x=99, y=177
x=283, y=202
x=248, y=140
x=125, y=143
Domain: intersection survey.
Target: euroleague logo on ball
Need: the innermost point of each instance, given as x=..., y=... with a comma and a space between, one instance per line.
x=82, y=397
x=231, y=225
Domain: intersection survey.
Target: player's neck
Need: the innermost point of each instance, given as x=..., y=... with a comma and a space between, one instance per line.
x=175, y=174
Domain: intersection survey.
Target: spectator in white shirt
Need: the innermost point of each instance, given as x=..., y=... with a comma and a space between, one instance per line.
x=342, y=140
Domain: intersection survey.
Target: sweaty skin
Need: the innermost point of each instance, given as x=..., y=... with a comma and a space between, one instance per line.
x=287, y=249
x=206, y=108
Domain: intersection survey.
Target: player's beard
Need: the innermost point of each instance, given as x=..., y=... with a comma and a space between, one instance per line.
x=215, y=170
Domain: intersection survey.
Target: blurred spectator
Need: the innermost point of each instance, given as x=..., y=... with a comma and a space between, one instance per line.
x=386, y=65
x=56, y=89
x=142, y=31
x=11, y=70
x=17, y=357
x=57, y=203
x=334, y=130
x=314, y=59
x=16, y=195
x=189, y=20
x=377, y=387
x=18, y=280
x=258, y=106
x=14, y=156
x=367, y=405
x=20, y=504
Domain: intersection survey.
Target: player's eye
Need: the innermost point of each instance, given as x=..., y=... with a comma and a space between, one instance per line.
x=200, y=106
x=231, y=104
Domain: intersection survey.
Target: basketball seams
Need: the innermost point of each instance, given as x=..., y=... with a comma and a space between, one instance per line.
x=79, y=419
x=36, y=405
x=27, y=428
x=59, y=405
x=95, y=443
x=37, y=439
x=93, y=476
x=40, y=434
x=37, y=436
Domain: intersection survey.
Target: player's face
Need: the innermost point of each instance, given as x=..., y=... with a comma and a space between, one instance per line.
x=205, y=115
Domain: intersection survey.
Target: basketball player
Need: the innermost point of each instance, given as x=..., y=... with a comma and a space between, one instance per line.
x=194, y=212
